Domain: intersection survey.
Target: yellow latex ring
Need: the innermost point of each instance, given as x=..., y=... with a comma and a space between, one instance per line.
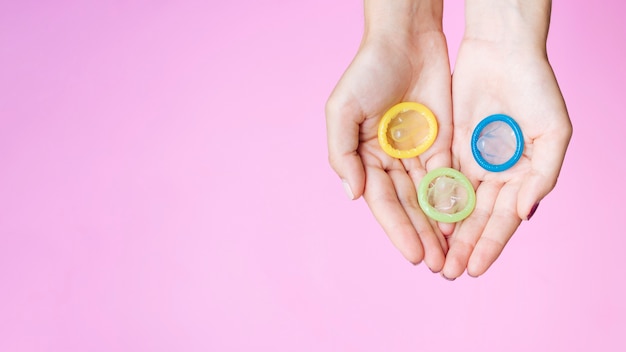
x=393, y=113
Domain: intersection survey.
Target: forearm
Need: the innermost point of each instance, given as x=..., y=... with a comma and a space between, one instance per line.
x=509, y=23
x=402, y=17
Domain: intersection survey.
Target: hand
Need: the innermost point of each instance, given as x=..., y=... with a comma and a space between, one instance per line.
x=508, y=73
x=403, y=57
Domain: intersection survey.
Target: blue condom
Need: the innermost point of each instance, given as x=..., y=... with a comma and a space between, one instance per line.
x=497, y=143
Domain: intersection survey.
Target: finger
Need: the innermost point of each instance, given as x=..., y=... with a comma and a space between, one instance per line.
x=500, y=228
x=343, y=121
x=416, y=172
x=546, y=160
x=382, y=199
x=447, y=229
x=469, y=230
x=434, y=256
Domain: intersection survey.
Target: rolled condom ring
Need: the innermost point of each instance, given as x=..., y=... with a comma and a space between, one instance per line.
x=446, y=195
x=407, y=130
x=497, y=143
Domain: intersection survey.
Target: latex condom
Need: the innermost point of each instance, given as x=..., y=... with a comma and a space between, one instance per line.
x=497, y=143
x=446, y=195
x=407, y=130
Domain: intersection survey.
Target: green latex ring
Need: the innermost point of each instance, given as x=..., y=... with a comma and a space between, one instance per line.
x=429, y=210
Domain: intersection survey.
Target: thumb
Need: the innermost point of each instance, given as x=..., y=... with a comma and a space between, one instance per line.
x=343, y=122
x=546, y=161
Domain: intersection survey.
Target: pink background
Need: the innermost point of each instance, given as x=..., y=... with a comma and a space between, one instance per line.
x=164, y=187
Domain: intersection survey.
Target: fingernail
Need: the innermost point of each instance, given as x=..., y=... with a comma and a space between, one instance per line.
x=442, y=275
x=346, y=187
x=532, y=211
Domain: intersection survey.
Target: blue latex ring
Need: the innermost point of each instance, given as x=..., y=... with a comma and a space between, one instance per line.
x=519, y=147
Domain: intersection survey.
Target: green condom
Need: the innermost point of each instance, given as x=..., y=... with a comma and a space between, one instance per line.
x=446, y=195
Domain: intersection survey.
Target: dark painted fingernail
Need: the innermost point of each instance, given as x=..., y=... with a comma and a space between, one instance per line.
x=442, y=275
x=532, y=211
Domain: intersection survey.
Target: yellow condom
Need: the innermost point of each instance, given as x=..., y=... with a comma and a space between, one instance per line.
x=407, y=129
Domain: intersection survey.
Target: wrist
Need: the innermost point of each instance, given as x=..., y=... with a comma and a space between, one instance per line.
x=513, y=24
x=402, y=19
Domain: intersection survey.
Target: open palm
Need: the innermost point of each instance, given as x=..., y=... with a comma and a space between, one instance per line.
x=490, y=79
x=384, y=73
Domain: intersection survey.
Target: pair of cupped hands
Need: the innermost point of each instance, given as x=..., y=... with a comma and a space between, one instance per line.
x=498, y=70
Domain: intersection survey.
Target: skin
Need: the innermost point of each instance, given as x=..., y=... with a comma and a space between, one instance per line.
x=502, y=67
